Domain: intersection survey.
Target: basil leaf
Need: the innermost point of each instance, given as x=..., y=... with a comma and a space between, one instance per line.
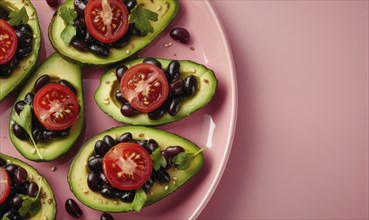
x=68, y=14
x=68, y=33
x=183, y=160
x=24, y=119
x=158, y=159
x=141, y=18
x=139, y=200
x=18, y=17
x=35, y=207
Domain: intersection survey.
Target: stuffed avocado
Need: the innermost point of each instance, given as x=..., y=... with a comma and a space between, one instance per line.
x=127, y=168
x=78, y=32
x=20, y=43
x=48, y=115
x=149, y=91
x=21, y=184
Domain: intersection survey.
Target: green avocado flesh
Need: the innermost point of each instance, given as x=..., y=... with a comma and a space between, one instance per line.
x=166, y=10
x=77, y=175
x=26, y=66
x=57, y=68
x=206, y=87
x=48, y=208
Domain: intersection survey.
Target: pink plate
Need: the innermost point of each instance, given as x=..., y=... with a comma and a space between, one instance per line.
x=212, y=126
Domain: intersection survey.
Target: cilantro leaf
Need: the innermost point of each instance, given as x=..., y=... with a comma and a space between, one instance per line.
x=24, y=119
x=68, y=14
x=158, y=159
x=68, y=33
x=30, y=205
x=141, y=18
x=18, y=17
x=139, y=200
x=183, y=160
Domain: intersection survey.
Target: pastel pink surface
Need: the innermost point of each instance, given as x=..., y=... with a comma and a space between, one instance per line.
x=301, y=144
x=211, y=127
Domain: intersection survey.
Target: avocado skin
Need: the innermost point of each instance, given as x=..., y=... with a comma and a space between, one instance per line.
x=56, y=67
x=48, y=208
x=27, y=65
x=168, y=11
x=206, y=89
x=77, y=174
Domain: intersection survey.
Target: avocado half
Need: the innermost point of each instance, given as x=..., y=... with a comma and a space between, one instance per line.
x=78, y=171
x=48, y=208
x=206, y=87
x=26, y=66
x=57, y=68
x=166, y=10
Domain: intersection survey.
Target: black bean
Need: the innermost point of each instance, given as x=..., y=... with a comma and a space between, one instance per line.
x=18, y=107
x=4, y=14
x=62, y=133
x=69, y=85
x=23, y=52
x=128, y=110
x=95, y=164
x=134, y=30
x=162, y=176
x=106, y=216
x=109, y=141
x=151, y=145
x=41, y=82
x=128, y=196
x=22, y=188
x=121, y=41
x=152, y=61
x=173, y=69
x=100, y=50
x=81, y=29
x=130, y=4
x=190, y=85
x=180, y=34
x=2, y=162
x=53, y=3
x=20, y=175
x=16, y=202
x=19, y=132
x=78, y=44
x=103, y=180
x=12, y=214
x=156, y=114
x=169, y=153
x=120, y=98
x=79, y=6
x=107, y=192
x=176, y=88
x=32, y=189
x=120, y=70
x=10, y=168
x=25, y=28
x=126, y=137
x=101, y=148
x=29, y=98
x=24, y=38
x=148, y=184
x=73, y=208
x=93, y=181
x=174, y=107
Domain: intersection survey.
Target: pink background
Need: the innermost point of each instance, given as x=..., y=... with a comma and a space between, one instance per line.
x=301, y=143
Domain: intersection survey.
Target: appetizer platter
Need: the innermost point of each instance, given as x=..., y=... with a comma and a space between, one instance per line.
x=129, y=111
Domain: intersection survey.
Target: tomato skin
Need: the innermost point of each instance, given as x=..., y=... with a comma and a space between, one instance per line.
x=8, y=42
x=145, y=87
x=56, y=106
x=113, y=23
x=127, y=166
x=4, y=185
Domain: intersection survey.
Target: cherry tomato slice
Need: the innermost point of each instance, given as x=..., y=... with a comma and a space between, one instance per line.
x=8, y=42
x=56, y=106
x=145, y=87
x=4, y=185
x=106, y=20
x=127, y=166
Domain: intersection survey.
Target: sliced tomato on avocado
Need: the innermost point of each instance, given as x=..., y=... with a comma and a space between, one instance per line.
x=127, y=166
x=145, y=87
x=4, y=185
x=8, y=42
x=106, y=20
x=56, y=106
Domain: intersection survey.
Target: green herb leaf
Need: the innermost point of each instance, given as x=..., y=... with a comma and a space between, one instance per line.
x=139, y=200
x=183, y=160
x=141, y=18
x=158, y=159
x=30, y=205
x=5, y=218
x=68, y=14
x=24, y=119
x=18, y=17
x=68, y=33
